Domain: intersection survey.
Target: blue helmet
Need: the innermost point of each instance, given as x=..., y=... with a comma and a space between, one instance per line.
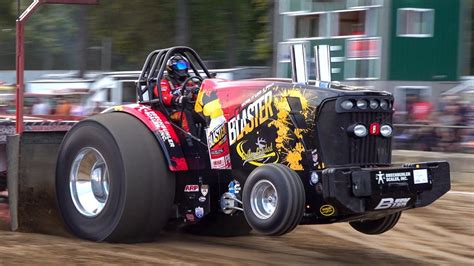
x=177, y=67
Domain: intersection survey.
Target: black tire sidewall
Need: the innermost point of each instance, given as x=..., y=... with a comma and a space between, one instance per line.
x=290, y=203
x=142, y=188
x=377, y=226
x=91, y=134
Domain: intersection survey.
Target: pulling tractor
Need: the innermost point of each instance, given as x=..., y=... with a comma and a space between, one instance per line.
x=267, y=155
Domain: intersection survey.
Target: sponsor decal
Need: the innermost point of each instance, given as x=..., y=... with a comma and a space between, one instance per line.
x=199, y=212
x=217, y=152
x=327, y=210
x=221, y=163
x=218, y=143
x=250, y=117
x=381, y=178
x=160, y=126
x=202, y=199
x=263, y=153
x=234, y=187
x=391, y=203
x=420, y=176
x=191, y=188
x=190, y=217
x=255, y=96
x=204, y=190
x=219, y=134
x=217, y=138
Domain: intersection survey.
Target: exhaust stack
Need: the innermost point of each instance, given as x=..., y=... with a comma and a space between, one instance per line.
x=298, y=64
x=322, y=58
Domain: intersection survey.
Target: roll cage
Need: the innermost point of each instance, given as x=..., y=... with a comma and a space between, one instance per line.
x=154, y=69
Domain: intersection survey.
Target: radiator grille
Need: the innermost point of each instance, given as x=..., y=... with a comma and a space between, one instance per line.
x=371, y=149
x=337, y=147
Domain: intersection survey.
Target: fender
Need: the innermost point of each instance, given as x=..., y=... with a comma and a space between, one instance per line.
x=163, y=131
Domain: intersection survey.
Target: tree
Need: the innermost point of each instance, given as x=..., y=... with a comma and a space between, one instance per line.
x=225, y=33
x=7, y=35
x=49, y=38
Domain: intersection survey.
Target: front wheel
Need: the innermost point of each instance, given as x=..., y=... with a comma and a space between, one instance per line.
x=378, y=226
x=112, y=182
x=273, y=199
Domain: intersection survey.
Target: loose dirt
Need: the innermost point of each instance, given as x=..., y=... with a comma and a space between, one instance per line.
x=442, y=233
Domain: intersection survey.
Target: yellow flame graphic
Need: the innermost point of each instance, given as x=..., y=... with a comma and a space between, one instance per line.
x=292, y=156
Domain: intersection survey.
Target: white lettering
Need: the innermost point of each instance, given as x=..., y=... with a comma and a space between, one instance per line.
x=160, y=126
x=250, y=117
x=233, y=131
x=400, y=203
x=384, y=204
x=390, y=203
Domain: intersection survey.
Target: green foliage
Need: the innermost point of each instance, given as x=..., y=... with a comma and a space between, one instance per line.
x=135, y=27
x=7, y=17
x=140, y=26
x=222, y=31
x=7, y=21
x=52, y=28
x=263, y=37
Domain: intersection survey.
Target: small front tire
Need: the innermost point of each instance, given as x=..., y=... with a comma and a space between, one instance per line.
x=273, y=199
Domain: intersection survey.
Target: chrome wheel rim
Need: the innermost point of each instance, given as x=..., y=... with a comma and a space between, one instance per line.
x=89, y=182
x=264, y=199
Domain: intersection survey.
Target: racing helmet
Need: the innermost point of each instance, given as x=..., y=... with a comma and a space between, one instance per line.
x=177, y=67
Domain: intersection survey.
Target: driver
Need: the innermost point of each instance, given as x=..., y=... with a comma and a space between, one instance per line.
x=172, y=83
x=172, y=91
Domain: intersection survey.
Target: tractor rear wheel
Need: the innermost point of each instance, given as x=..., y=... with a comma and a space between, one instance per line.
x=112, y=181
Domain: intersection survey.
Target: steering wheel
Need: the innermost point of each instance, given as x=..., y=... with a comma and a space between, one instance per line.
x=184, y=88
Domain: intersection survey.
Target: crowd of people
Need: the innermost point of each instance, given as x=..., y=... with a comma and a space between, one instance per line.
x=59, y=105
x=447, y=127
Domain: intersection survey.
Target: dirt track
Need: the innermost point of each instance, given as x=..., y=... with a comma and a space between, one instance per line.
x=439, y=234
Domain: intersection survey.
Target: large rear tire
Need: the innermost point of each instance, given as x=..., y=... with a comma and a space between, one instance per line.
x=378, y=226
x=112, y=182
x=273, y=199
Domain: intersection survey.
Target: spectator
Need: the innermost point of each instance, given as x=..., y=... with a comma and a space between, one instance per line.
x=451, y=115
x=77, y=109
x=420, y=110
x=63, y=107
x=41, y=107
x=420, y=138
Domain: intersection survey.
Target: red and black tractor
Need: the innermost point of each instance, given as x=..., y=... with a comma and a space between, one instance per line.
x=266, y=154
